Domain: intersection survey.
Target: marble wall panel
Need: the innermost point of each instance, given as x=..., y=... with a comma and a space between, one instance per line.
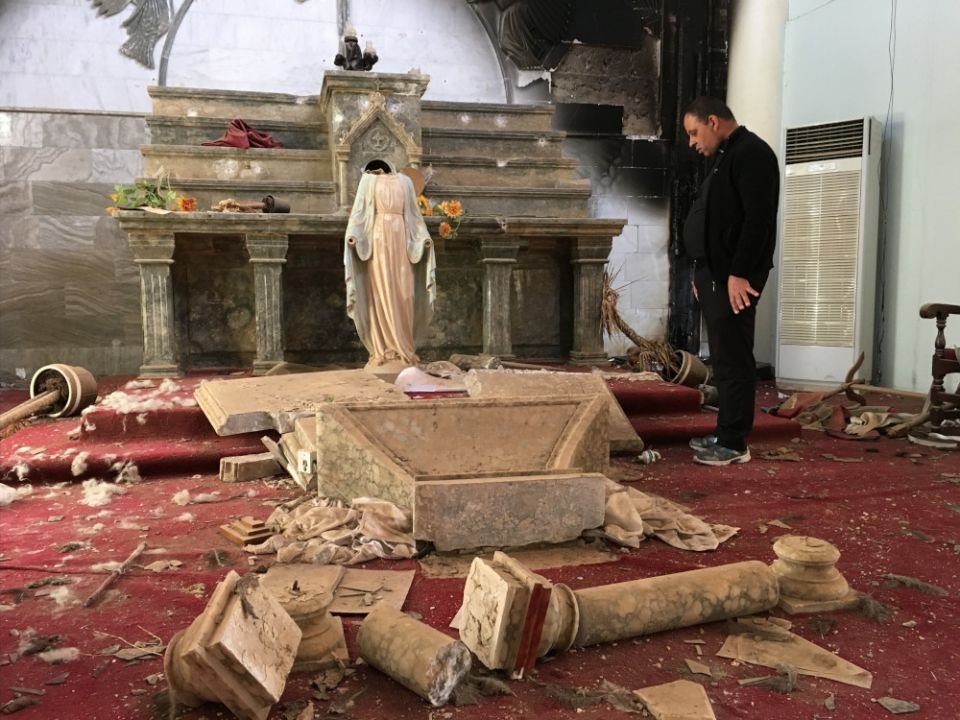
x=19, y=129
x=64, y=198
x=16, y=199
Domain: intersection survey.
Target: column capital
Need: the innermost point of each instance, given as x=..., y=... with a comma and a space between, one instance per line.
x=499, y=250
x=267, y=247
x=591, y=250
x=152, y=247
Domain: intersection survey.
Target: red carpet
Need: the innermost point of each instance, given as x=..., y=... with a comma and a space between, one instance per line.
x=667, y=414
x=893, y=511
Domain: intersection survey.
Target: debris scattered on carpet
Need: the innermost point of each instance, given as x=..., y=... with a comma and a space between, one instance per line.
x=97, y=493
x=897, y=707
x=893, y=581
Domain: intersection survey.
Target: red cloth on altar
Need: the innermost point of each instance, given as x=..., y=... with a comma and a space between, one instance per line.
x=240, y=135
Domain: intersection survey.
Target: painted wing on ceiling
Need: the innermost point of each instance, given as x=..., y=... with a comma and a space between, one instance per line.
x=148, y=23
x=109, y=7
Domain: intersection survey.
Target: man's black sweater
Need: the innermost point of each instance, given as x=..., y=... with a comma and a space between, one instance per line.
x=741, y=214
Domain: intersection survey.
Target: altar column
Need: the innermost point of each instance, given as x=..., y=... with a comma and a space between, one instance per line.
x=268, y=253
x=153, y=253
x=589, y=258
x=498, y=258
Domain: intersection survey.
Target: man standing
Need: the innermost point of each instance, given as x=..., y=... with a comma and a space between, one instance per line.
x=730, y=234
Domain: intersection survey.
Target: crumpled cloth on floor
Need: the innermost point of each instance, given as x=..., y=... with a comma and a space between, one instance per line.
x=240, y=135
x=632, y=516
x=327, y=532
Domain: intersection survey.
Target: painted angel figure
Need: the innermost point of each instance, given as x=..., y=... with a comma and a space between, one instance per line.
x=390, y=268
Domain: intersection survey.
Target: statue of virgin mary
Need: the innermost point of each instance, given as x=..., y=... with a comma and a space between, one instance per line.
x=390, y=268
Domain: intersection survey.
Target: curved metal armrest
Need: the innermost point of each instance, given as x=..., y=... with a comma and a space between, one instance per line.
x=931, y=310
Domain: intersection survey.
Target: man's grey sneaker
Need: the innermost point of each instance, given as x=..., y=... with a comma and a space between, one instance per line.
x=703, y=443
x=718, y=456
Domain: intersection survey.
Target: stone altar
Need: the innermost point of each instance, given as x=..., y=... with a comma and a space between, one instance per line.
x=523, y=278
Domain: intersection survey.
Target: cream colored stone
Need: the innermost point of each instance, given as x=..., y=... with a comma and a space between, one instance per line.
x=678, y=700
x=274, y=402
x=508, y=511
x=502, y=449
x=239, y=651
x=519, y=383
x=422, y=659
x=241, y=468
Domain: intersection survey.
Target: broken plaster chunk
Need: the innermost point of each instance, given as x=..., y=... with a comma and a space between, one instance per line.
x=420, y=658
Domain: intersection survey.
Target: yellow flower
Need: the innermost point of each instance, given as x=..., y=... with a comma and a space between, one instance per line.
x=111, y=210
x=113, y=197
x=445, y=230
x=424, y=204
x=453, y=209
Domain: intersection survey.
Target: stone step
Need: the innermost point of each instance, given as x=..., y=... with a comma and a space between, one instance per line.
x=515, y=172
x=200, y=102
x=497, y=144
x=226, y=163
x=514, y=201
x=177, y=130
x=304, y=197
x=486, y=116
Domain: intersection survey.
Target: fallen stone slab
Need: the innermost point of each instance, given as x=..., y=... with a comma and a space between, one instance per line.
x=479, y=467
x=508, y=511
x=542, y=383
x=242, y=405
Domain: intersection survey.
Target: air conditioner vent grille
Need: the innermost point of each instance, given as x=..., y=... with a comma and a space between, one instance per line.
x=818, y=274
x=829, y=141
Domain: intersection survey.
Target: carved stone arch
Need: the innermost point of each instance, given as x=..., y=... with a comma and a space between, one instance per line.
x=376, y=135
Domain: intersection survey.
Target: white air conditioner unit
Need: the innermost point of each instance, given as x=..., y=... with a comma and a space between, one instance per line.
x=828, y=252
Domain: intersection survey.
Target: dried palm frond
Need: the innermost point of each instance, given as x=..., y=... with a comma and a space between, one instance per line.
x=654, y=355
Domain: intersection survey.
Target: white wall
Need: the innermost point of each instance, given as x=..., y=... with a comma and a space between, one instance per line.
x=836, y=67
x=61, y=54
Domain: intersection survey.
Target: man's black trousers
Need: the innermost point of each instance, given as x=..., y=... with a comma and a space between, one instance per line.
x=731, y=353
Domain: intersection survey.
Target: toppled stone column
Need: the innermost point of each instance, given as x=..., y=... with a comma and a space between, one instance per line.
x=414, y=654
x=238, y=652
x=642, y=607
x=511, y=616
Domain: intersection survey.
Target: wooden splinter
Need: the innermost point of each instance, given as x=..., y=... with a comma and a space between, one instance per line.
x=414, y=654
x=98, y=593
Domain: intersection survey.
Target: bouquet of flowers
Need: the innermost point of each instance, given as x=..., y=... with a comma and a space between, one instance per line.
x=149, y=194
x=451, y=211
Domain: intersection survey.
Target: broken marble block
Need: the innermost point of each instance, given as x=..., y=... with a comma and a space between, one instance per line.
x=476, y=473
x=238, y=652
x=274, y=402
x=540, y=383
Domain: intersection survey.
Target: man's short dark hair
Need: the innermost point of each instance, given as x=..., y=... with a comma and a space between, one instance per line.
x=704, y=106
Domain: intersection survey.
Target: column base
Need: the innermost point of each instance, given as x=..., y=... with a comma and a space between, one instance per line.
x=160, y=370
x=585, y=358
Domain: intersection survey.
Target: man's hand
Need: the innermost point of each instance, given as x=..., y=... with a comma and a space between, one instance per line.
x=696, y=295
x=739, y=291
